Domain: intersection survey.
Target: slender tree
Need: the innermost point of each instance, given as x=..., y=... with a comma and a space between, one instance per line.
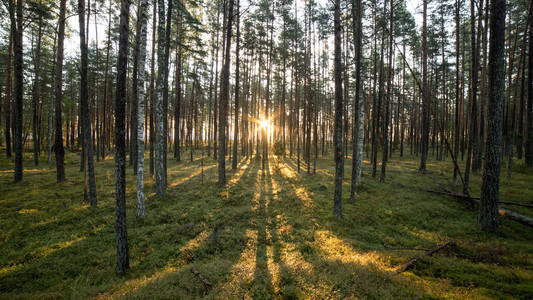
x=177, y=103
x=36, y=92
x=9, y=89
x=357, y=155
x=237, y=80
x=339, y=156
x=15, y=13
x=457, y=91
x=58, y=146
x=223, y=103
x=84, y=106
x=424, y=143
x=160, y=186
x=529, y=111
x=388, y=97
x=123, y=255
x=490, y=187
x=140, y=47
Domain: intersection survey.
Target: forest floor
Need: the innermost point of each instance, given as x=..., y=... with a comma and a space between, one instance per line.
x=276, y=234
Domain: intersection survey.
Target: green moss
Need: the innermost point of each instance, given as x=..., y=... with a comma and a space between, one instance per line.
x=276, y=235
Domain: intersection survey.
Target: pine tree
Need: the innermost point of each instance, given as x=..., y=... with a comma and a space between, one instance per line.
x=84, y=106
x=339, y=156
x=490, y=187
x=223, y=104
x=58, y=146
x=123, y=253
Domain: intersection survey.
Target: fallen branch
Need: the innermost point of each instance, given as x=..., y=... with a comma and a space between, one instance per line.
x=402, y=248
x=517, y=204
x=477, y=199
x=206, y=283
x=502, y=211
x=427, y=253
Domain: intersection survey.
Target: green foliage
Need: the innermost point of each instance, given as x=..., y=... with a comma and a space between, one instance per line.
x=277, y=148
x=276, y=236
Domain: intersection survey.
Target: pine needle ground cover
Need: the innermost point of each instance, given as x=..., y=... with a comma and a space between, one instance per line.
x=276, y=237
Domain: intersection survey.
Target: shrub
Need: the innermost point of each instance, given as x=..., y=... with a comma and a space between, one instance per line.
x=278, y=148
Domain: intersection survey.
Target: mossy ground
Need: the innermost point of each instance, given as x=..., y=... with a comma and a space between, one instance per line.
x=276, y=234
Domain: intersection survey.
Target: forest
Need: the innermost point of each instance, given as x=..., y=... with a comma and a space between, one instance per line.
x=285, y=149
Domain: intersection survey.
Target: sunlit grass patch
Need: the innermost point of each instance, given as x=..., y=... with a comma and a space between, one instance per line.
x=276, y=234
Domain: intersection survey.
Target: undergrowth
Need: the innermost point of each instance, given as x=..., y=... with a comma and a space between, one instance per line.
x=276, y=237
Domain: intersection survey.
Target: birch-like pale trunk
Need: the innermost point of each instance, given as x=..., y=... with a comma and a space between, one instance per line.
x=141, y=47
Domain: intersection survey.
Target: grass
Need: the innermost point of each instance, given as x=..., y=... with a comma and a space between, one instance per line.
x=276, y=235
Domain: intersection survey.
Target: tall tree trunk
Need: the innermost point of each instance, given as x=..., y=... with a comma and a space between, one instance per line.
x=152, y=91
x=134, y=112
x=140, y=46
x=529, y=111
x=84, y=104
x=237, y=80
x=388, y=101
x=477, y=164
x=15, y=12
x=424, y=143
x=58, y=146
x=160, y=186
x=177, y=103
x=123, y=255
x=488, y=209
x=357, y=155
x=339, y=157
x=107, y=92
x=168, y=31
x=472, y=141
x=375, y=106
x=50, y=113
x=9, y=89
x=215, y=104
x=457, y=91
x=224, y=96
x=36, y=94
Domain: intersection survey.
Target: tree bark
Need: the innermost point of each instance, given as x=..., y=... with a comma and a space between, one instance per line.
x=141, y=48
x=123, y=256
x=36, y=94
x=339, y=157
x=490, y=187
x=223, y=104
x=15, y=12
x=388, y=101
x=357, y=155
x=529, y=112
x=424, y=143
x=84, y=104
x=9, y=95
x=237, y=81
x=58, y=146
x=160, y=186
x=177, y=104
x=457, y=91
